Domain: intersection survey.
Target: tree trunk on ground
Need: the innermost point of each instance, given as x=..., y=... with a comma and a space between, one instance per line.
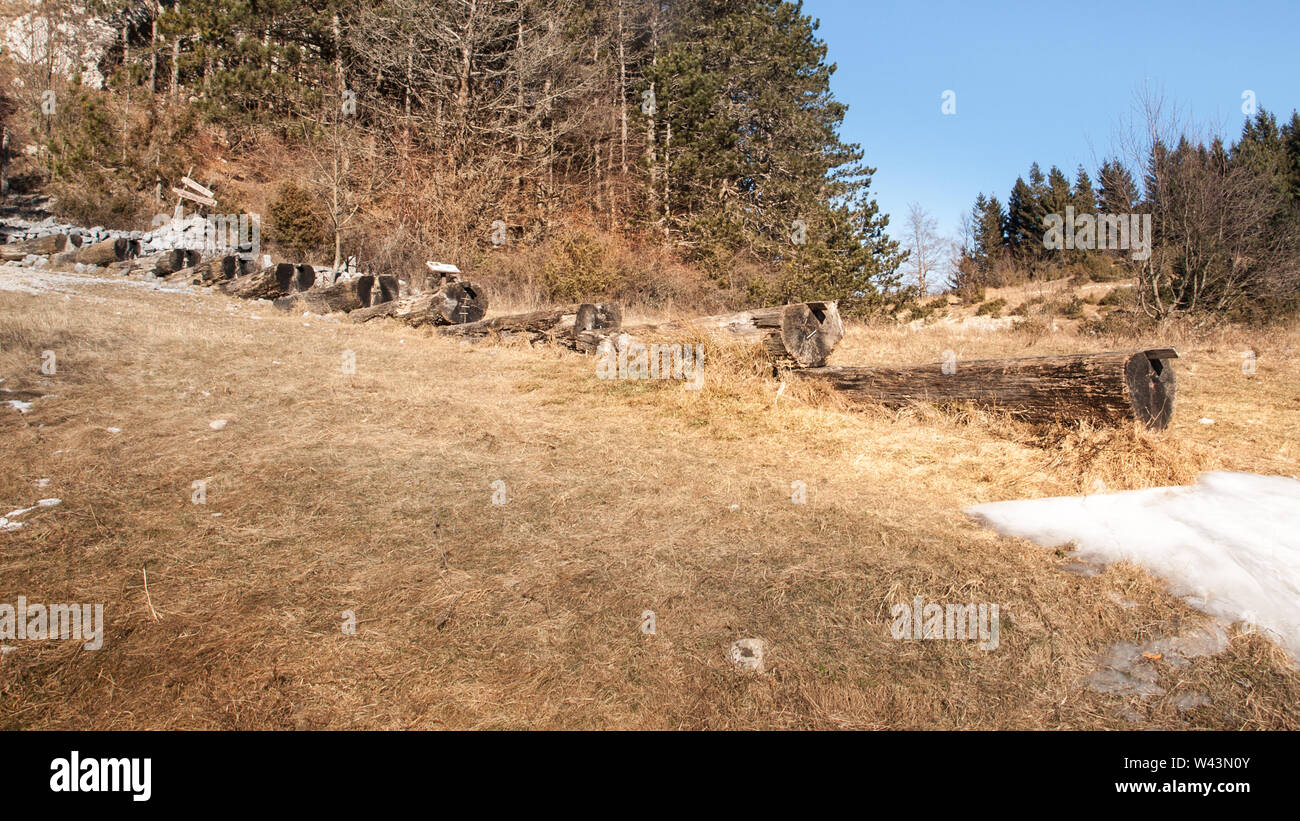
x=294, y=278
x=798, y=336
x=109, y=250
x=413, y=310
x=344, y=296
x=556, y=322
x=169, y=262
x=457, y=303
x=385, y=289
x=1102, y=388
x=445, y=306
x=258, y=285
x=52, y=244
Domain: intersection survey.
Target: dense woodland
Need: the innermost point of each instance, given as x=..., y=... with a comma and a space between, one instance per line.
x=692, y=134
x=653, y=150
x=1226, y=221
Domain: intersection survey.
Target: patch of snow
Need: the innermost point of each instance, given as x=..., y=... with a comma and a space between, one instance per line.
x=1205, y=420
x=48, y=502
x=1230, y=544
x=113, y=430
x=20, y=406
x=217, y=424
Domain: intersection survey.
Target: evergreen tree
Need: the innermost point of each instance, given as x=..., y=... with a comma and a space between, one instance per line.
x=1083, y=197
x=750, y=130
x=988, y=218
x=1118, y=192
x=1020, y=229
x=1058, y=194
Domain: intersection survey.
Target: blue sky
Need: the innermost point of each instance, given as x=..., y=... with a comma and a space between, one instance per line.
x=1051, y=82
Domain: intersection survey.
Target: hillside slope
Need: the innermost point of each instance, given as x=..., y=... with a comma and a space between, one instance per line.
x=373, y=492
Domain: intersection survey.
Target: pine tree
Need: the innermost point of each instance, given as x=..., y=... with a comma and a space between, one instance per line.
x=754, y=158
x=1024, y=229
x=988, y=218
x=1118, y=192
x=1083, y=197
x=1058, y=194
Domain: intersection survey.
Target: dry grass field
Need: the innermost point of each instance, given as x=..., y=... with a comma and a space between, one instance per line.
x=372, y=492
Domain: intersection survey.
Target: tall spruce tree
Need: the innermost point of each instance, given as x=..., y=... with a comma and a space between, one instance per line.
x=1024, y=229
x=754, y=159
x=1117, y=193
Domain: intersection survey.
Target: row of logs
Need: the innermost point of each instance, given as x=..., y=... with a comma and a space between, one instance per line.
x=1109, y=388
x=1102, y=388
x=62, y=248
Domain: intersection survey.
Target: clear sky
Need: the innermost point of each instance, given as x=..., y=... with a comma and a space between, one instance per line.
x=1044, y=81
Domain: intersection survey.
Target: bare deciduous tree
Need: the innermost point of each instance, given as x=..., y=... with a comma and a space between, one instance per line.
x=925, y=244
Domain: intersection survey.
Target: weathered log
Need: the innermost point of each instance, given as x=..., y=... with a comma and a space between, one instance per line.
x=294, y=278
x=169, y=262
x=459, y=302
x=598, y=316
x=385, y=289
x=261, y=284
x=801, y=335
x=343, y=296
x=108, y=251
x=1103, y=388
x=444, y=306
x=557, y=323
x=415, y=307
x=44, y=246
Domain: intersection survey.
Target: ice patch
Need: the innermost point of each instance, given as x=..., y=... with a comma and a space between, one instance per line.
x=1230, y=544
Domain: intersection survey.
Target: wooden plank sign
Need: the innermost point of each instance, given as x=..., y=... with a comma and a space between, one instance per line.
x=207, y=192
x=202, y=200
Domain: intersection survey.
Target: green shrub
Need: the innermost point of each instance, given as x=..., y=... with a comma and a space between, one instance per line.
x=991, y=308
x=576, y=269
x=296, y=224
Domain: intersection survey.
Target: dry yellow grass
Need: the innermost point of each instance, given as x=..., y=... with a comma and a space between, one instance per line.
x=372, y=492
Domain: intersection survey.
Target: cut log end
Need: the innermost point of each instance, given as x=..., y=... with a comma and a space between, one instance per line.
x=1151, y=387
x=809, y=332
x=597, y=316
x=460, y=303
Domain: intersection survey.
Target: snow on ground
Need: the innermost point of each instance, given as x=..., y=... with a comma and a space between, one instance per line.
x=1230, y=544
x=984, y=324
x=7, y=521
x=38, y=280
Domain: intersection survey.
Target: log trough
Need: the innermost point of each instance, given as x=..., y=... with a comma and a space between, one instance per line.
x=458, y=304
x=1110, y=388
x=801, y=335
x=561, y=324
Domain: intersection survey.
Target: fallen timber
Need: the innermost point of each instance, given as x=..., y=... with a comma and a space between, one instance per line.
x=1109, y=388
x=344, y=296
x=800, y=335
x=454, y=303
x=559, y=325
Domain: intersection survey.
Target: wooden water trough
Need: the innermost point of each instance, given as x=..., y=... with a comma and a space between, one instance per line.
x=454, y=303
x=1116, y=387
